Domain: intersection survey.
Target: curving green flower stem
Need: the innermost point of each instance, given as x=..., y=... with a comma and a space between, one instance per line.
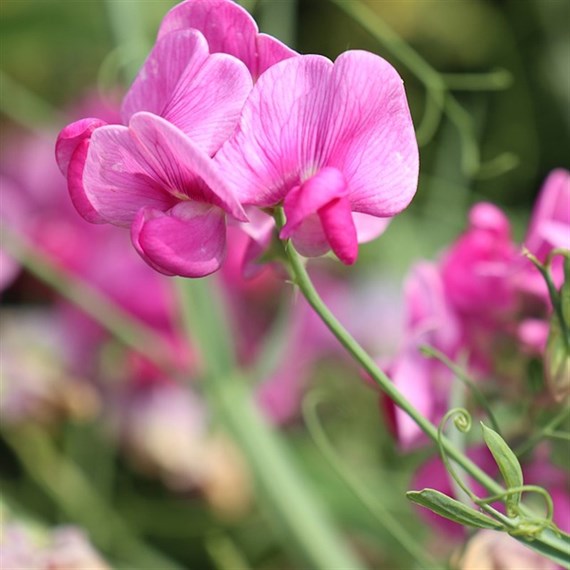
x=548, y=543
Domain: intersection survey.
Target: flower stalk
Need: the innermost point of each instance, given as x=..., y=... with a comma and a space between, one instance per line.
x=554, y=545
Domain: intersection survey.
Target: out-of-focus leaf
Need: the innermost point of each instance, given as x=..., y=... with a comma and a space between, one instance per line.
x=508, y=465
x=451, y=509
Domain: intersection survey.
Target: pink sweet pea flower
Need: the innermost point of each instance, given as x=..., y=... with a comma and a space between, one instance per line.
x=228, y=28
x=333, y=142
x=156, y=175
x=477, y=270
x=549, y=226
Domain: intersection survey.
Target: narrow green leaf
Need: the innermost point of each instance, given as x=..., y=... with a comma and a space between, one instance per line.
x=451, y=509
x=508, y=465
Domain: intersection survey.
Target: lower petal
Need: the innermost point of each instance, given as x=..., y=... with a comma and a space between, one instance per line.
x=336, y=218
x=188, y=240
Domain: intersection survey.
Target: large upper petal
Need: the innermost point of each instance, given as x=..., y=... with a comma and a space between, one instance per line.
x=277, y=144
x=306, y=113
x=228, y=28
x=188, y=240
x=201, y=94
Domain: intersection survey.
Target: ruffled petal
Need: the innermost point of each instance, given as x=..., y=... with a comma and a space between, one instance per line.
x=189, y=240
x=228, y=28
x=372, y=134
x=201, y=94
x=182, y=167
x=116, y=180
x=70, y=137
x=305, y=114
x=278, y=144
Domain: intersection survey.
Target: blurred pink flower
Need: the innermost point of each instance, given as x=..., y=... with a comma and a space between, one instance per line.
x=156, y=175
x=549, y=225
x=334, y=142
x=477, y=270
x=424, y=381
x=228, y=28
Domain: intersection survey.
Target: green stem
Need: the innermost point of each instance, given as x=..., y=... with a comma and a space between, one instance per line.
x=301, y=278
x=303, y=520
x=130, y=331
x=380, y=513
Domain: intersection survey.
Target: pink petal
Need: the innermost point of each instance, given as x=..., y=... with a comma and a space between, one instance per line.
x=327, y=185
x=338, y=226
x=309, y=238
x=201, y=94
x=282, y=126
x=70, y=137
x=75, y=170
x=228, y=28
x=369, y=227
x=181, y=165
x=188, y=240
x=552, y=206
x=117, y=180
x=305, y=114
x=373, y=134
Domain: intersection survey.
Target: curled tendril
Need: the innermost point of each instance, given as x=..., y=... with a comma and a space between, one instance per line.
x=527, y=527
x=462, y=421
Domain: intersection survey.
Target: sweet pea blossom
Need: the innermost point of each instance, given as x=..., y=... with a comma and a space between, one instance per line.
x=549, y=226
x=228, y=28
x=333, y=142
x=156, y=175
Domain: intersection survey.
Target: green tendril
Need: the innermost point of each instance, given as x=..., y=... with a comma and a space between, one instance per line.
x=462, y=422
x=461, y=375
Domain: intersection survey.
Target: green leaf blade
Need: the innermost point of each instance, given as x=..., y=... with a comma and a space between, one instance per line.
x=508, y=464
x=452, y=509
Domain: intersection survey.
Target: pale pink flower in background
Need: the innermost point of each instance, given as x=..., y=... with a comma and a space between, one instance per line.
x=156, y=175
x=333, y=142
x=228, y=28
x=24, y=547
x=491, y=550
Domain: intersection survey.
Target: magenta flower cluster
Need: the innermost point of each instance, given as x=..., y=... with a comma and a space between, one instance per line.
x=220, y=118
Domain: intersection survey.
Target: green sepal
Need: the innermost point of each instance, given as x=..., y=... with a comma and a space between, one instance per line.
x=509, y=467
x=451, y=509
